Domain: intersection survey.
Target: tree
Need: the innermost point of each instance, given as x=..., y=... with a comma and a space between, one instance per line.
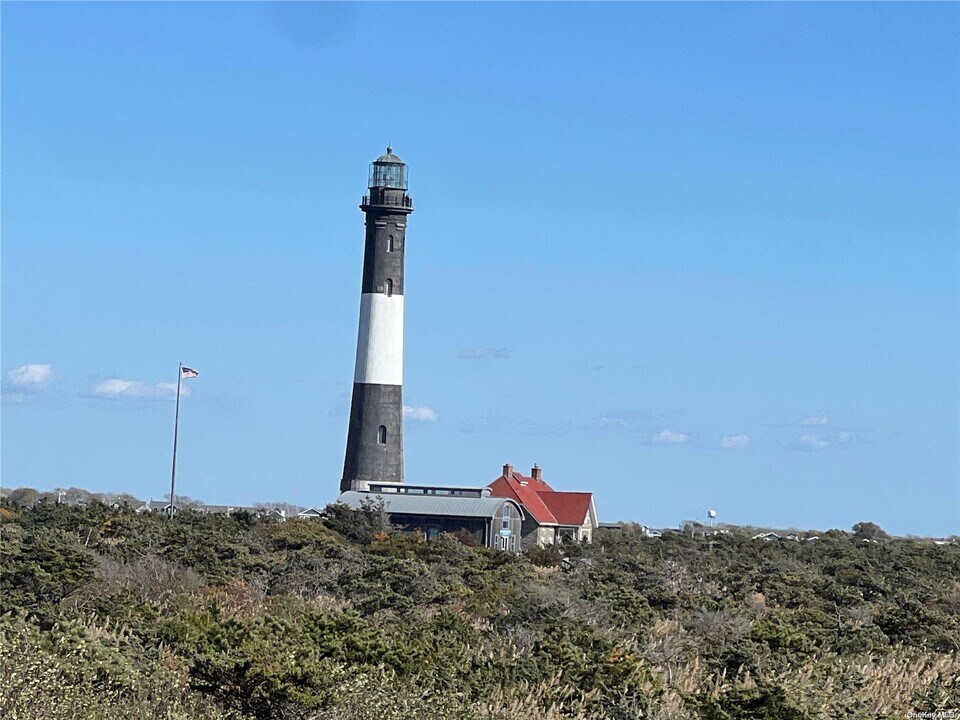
x=869, y=531
x=359, y=525
x=24, y=497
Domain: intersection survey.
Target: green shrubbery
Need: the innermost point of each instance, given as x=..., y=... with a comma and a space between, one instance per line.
x=109, y=614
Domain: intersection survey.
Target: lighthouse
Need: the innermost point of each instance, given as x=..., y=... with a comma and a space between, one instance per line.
x=375, y=434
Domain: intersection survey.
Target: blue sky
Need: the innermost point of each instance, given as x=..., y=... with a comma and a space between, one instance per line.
x=683, y=255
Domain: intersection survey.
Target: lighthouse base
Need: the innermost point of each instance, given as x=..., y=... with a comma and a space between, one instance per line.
x=375, y=437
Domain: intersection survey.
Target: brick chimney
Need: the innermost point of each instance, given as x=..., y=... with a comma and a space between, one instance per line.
x=536, y=473
x=508, y=470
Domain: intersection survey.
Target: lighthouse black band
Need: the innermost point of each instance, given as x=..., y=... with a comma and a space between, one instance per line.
x=383, y=255
x=375, y=435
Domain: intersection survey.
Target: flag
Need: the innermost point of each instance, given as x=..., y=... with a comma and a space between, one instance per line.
x=186, y=372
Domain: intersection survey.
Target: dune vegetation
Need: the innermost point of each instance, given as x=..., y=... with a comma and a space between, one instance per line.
x=108, y=615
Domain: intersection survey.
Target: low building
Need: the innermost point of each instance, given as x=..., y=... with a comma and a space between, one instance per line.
x=163, y=506
x=493, y=522
x=157, y=506
x=221, y=509
x=274, y=513
x=549, y=515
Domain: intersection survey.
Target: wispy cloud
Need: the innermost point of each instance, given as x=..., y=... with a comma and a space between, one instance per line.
x=617, y=422
x=639, y=426
x=647, y=421
x=118, y=389
x=670, y=437
x=832, y=437
x=819, y=432
x=851, y=435
x=813, y=442
x=30, y=376
x=731, y=442
x=811, y=421
x=424, y=414
x=484, y=353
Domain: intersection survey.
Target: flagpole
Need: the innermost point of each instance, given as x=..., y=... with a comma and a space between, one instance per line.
x=176, y=426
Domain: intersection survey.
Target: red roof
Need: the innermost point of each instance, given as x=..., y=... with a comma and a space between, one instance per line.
x=546, y=505
x=520, y=489
x=569, y=508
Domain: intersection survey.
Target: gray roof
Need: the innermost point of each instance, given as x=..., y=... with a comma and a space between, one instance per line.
x=389, y=157
x=485, y=507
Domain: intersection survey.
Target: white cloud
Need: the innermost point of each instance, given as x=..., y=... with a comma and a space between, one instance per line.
x=670, y=437
x=734, y=441
x=484, y=353
x=813, y=442
x=117, y=388
x=120, y=388
x=27, y=376
x=425, y=414
x=844, y=436
x=815, y=420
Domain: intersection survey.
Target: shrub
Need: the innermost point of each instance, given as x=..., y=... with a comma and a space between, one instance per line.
x=544, y=557
x=358, y=525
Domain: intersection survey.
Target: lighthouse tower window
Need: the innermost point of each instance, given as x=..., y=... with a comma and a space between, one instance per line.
x=390, y=245
x=388, y=287
x=382, y=434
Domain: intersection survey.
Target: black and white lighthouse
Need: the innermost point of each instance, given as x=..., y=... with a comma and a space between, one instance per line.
x=375, y=434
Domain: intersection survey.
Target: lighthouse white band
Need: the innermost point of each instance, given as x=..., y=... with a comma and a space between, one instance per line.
x=380, y=342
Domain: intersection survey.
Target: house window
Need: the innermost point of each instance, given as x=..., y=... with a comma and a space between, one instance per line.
x=506, y=512
x=390, y=245
x=382, y=434
x=388, y=287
